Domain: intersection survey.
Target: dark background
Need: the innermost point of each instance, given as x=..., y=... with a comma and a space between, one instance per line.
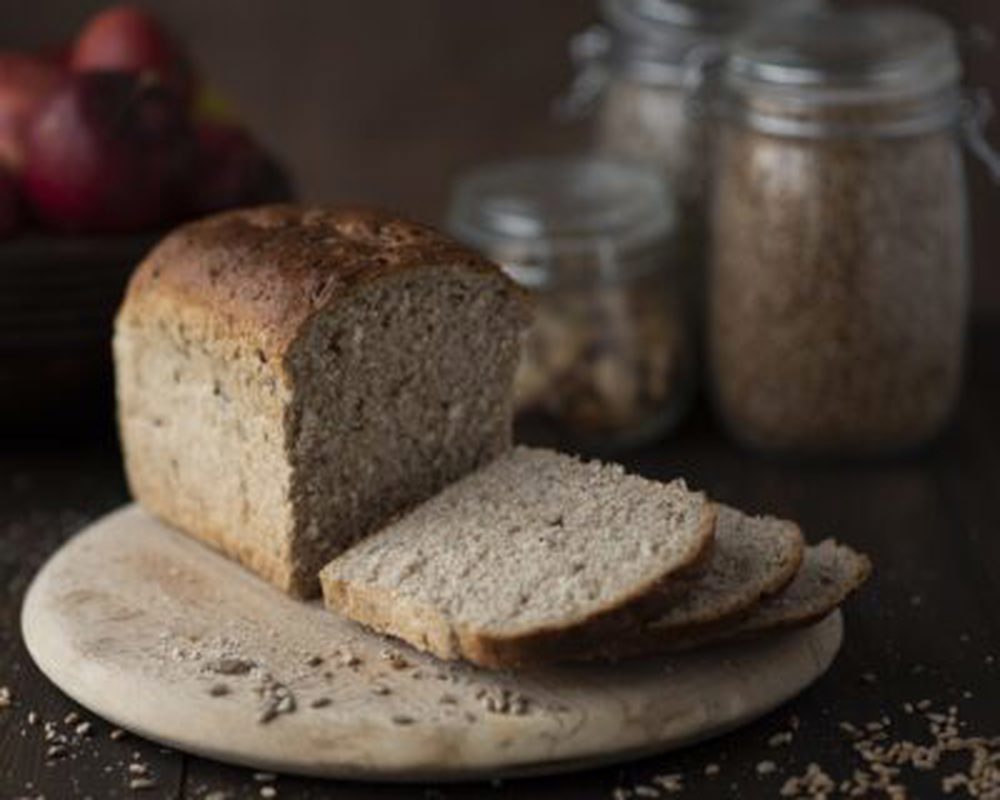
x=383, y=101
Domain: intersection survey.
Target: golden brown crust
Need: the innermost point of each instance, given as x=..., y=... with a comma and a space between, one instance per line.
x=260, y=273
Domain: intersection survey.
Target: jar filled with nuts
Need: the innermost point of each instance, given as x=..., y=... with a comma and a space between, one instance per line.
x=638, y=74
x=608, y=361
x=840, y=276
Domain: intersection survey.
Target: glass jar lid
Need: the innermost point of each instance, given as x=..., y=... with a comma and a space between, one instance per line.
x=543, y=218
x=656, y=38
x=846, y=52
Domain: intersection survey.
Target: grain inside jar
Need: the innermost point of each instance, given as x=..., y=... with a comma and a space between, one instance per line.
x=839, y=283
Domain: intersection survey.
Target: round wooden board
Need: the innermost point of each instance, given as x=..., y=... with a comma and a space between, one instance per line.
x=164, y=637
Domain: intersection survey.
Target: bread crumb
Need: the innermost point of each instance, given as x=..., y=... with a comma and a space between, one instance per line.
x=347, y=659
x=396, y=660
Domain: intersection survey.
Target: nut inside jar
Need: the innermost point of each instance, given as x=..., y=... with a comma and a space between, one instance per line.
x=608, y=361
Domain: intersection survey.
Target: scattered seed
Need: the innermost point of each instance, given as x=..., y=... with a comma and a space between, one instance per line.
x=56, y=751
x=83, y=729
x=347, y=659
x=766, y=768
x=5, y=697
x=141, y=784
x=33, y=717
x=117, y=734
x=402, y=719
x=265, y=777
x=670, y=783
x=219, y=690
x=712, y=769
x=71, y=718
x=320, y=702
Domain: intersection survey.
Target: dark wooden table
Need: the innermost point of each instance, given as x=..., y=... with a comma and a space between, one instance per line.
x=927, y=627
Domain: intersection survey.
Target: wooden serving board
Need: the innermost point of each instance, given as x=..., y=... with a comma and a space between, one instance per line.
x=164, y=637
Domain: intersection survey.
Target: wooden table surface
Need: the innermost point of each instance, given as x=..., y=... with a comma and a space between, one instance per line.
x=926, y=628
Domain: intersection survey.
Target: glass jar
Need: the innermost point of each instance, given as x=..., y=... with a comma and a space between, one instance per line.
x=640, y=72
x=608, y=361
x=839, y=285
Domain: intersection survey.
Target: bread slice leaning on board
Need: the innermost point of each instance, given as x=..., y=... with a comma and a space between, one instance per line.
x=533, y=556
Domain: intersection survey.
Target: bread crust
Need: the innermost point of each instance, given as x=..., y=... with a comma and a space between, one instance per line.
x=258, y=275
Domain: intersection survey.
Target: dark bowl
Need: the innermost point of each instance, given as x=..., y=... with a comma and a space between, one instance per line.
x=58, y=298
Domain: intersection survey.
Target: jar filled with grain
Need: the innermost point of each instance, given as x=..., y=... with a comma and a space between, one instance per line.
x=840, y=275
x=639, y=72
x=608, y=362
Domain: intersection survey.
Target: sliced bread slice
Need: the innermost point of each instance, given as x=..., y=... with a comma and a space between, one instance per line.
x=534, y=551
x=830, y=572
x=752, y=558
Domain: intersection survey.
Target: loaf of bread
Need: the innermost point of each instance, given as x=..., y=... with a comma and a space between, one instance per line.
x=289, y=379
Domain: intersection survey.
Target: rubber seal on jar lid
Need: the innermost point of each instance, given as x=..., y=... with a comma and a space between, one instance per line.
x=531, y=211
x=651, y=40
x=876, y=50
